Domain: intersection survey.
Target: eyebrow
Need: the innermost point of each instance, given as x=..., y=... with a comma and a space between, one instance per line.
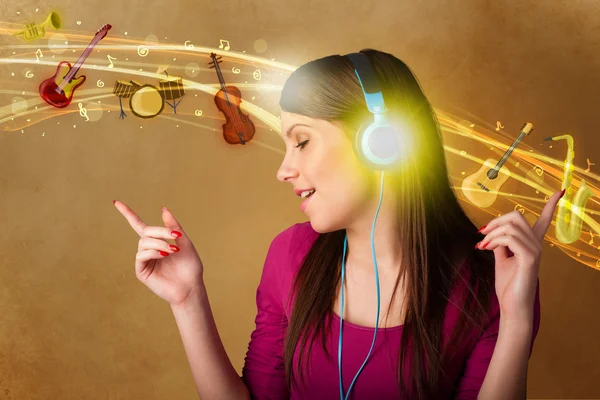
x=287, y=133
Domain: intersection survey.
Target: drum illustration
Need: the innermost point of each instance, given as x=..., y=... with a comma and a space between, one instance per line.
x=146, y=102
x=172, y=89
x=123, y=90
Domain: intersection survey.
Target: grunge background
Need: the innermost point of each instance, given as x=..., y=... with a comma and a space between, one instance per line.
x=74, y=321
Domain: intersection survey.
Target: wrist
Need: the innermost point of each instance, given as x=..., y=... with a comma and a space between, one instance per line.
x=516, y=326
x=194, y=299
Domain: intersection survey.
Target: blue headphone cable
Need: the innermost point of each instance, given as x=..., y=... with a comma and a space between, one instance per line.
x=342, y=302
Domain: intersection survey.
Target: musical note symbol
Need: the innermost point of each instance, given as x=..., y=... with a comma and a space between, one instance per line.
x=28, y=74
x=38, y=54
x=256, y=75
x=520, y=208
x=535, y=175
x=83, y=112
x=546, y=197
x=589, y=165
x=499, y=126
x=221, y=45
x=198, y=113
x=99, y=83
x=110, y=61
x=142, y=51
x=235, y=70
x=517, y=164
x=190, y=46
x=591, y=242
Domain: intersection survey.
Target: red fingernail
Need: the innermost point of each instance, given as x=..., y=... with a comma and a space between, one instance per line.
x=482, y=228
x=174, y=248
x=114, y=201
x=483, y=246
x=562, y=193
x=163, y=253
x=176, y=234
x=477, y=245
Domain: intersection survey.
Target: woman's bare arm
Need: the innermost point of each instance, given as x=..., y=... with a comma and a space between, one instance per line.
x=213, y=373
x=506, y=377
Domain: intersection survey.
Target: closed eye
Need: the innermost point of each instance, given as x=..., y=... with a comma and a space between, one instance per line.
x=302, y=144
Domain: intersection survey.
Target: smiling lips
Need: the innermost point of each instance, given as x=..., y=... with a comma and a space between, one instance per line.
x=305, y=194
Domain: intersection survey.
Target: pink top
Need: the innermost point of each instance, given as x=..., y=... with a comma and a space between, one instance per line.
x=263, y=370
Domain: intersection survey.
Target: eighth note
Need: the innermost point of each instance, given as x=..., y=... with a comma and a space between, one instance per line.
x=221, y=45
x=499, y=126
x=38, y=54
x=591, y=238
x=589, y=165
x=110, y=61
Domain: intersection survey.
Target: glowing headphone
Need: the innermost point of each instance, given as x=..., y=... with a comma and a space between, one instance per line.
x=377, y=144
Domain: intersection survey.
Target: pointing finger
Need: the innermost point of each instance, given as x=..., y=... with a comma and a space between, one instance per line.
x=545, y=219
x=136, y=222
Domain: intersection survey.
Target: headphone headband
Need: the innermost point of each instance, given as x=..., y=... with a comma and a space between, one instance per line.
x=367, y=77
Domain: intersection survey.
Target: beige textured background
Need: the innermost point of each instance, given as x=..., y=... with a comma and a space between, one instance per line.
x=74, y=321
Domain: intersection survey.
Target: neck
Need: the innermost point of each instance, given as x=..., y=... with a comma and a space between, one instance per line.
x=386, y=239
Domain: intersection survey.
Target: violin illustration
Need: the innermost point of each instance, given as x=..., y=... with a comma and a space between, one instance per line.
x=238, y=128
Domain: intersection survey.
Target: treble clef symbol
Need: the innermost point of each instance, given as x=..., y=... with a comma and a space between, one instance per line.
x=83, y=112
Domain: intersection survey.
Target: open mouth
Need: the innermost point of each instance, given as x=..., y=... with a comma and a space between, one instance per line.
x=306, y=194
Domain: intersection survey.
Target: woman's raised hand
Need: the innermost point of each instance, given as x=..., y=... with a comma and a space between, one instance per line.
x=171, y=272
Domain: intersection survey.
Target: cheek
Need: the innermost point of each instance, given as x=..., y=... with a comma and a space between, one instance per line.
x=347, y=189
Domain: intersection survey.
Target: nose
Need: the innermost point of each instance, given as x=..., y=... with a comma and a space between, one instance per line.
x=286, y=170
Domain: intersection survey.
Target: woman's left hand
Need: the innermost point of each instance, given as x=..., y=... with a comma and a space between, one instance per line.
x=516, y=276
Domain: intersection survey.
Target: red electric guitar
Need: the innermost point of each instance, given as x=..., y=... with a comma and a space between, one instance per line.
x=58, y=90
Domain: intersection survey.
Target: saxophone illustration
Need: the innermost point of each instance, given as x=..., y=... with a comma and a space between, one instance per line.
x=569, y=218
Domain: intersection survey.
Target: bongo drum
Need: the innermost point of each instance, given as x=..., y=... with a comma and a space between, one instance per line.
x=146, y=102
x=123, y=90
x=172, y=90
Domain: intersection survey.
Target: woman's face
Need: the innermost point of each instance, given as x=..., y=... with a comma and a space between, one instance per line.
x=319, y=156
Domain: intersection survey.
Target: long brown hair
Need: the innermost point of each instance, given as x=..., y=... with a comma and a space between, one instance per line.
x=437, y=236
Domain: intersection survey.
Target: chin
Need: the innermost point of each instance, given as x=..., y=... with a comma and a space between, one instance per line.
x=324, y=226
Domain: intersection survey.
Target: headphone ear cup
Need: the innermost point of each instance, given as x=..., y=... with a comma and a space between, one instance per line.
x=377, y=145
x=359, y=150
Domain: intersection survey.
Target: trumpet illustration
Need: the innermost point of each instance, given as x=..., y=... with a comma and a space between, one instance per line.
x=33, y=31
x=569, y=218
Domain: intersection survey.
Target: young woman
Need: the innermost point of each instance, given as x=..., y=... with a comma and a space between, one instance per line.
x=461, y=305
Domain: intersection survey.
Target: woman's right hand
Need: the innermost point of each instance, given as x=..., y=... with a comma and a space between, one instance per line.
x=176, y=272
